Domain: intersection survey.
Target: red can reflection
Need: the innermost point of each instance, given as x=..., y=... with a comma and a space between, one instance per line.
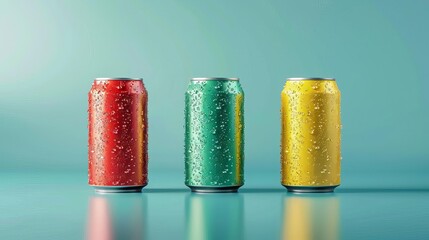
x=116, y=217
x=99, y=224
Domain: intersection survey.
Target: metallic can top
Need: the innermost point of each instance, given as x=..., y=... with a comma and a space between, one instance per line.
x=118, y=79
x=214, y=79
x=310, y=79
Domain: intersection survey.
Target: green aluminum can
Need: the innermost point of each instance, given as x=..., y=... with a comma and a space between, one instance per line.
x=214, y=135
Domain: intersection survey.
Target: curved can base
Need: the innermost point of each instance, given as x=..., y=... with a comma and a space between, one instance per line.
x=315, y=189
x=118, y=189
x=231, y=189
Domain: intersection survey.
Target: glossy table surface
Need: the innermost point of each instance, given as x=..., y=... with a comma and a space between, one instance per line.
x=62, y=206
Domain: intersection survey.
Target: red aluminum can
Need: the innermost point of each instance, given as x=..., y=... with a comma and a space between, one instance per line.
x=117, y=139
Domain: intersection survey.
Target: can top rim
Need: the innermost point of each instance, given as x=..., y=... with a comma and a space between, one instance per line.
x=310, y=79
x=118, y=79
x=214, y=79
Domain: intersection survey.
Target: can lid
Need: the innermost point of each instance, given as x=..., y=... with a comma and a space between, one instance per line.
x=214, y=79
x=310, y=79
x=118, y=79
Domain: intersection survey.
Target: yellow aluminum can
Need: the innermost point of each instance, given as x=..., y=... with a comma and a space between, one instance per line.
x=310, y=135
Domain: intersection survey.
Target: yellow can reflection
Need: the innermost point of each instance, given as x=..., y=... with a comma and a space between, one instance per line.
x=214, y=216
x=311, y=217
x=116, y=217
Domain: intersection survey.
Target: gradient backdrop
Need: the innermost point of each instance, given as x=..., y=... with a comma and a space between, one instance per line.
x=50, y=51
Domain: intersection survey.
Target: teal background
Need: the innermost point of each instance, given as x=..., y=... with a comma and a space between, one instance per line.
x=50, y=52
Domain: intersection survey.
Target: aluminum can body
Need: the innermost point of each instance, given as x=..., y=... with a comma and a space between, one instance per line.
x=310, y=135
x=117, y=135
x=214, y=135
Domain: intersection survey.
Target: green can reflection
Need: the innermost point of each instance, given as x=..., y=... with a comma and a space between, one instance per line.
x=214, y=216
x=114, y=216
x=311, y=217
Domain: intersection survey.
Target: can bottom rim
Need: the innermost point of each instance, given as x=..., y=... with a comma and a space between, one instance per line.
x=118, y=189
x=312, y=189
x=231, y=189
